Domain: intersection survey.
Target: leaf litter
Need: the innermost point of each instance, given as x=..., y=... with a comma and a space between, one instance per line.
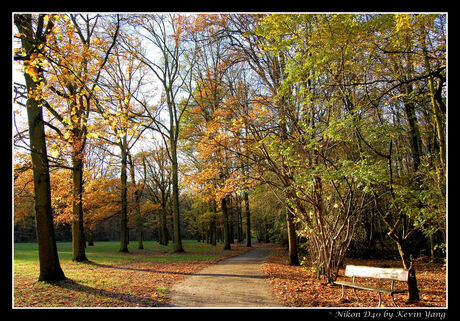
x=130, y=283
x=297, y=286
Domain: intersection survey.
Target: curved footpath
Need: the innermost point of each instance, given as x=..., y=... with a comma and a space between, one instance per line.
x=233, y=282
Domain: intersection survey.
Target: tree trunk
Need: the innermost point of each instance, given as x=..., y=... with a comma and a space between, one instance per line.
x=137, y=196
x=292, y=239
x=414, y=130
x=408, y=265
x=78, y=239
x=140, y=232
x=163, y=228
x=226, y=225
x=230, y=212
x=50, y=268
x=240, y=222
x=213, y=224
x=90, y=237
x=162, y=237
x=248, y=219
x=175, y=198
x=212, y=230
x=436, y=103
x=124, y=201
x=403, y=250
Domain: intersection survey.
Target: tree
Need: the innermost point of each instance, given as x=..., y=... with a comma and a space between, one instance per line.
x=160, y=31
x=330, y=85
x=75, y=55
x=211, y=161
x=157, y=180
x=270, y=66
x=122, y=83
x=326, y=125
x=368, y=82
x=138, y=190
x=33, y=34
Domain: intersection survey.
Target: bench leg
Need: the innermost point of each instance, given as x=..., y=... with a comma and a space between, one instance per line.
x=394, y=300
x=380, y=299
x=343, y=292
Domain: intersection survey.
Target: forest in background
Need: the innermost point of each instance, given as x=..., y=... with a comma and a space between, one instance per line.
x=324, y=132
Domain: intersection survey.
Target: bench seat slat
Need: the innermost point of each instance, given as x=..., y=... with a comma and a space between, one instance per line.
x=375, y=272
x=393, y=274
x=368, y=287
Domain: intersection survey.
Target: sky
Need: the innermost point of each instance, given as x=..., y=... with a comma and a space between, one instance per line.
x=18, y=77
x=19, y=114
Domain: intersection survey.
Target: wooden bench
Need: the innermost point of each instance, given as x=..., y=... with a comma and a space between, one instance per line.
x=392, y=274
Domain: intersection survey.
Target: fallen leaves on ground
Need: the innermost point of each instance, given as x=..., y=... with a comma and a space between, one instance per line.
x=297, y=286
x=132, y=283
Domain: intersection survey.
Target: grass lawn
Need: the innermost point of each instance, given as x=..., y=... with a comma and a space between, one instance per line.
x=140, y=278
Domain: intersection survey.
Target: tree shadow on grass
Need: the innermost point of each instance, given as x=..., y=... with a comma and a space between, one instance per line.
x=173, y=272
x=126, y=297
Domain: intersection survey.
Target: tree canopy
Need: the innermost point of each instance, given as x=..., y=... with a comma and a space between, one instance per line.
x=326, y=131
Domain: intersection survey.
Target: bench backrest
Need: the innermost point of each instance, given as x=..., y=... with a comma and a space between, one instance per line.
x=378, y=273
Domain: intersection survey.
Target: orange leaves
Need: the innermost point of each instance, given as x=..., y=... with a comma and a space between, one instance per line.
x=61, y=195
x=182, y=24
x=298, y=286
x=100, y=197
x=23, y=187
x=74, y=53
x=220, y=145
x=207, y=24
x=188, y=24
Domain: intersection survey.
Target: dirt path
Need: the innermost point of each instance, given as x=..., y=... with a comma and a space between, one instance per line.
x=234, y=282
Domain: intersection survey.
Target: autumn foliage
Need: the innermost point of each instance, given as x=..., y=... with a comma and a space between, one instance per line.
x=323, y=132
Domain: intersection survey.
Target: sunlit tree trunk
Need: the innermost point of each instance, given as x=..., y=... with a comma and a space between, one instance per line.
x=78, y=239
x=50, y=268
x=124, y=200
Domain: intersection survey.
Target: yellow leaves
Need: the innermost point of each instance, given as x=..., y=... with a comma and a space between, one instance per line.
x=55, y=153
x=32, y=71
x=238, y=122
x=67, y=135
x=403, y=22
x=74, y=118
x=55, y=150
x=93, y=135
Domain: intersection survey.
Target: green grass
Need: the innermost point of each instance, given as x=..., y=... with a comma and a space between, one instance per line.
x=112, y=278
x=107, y=252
